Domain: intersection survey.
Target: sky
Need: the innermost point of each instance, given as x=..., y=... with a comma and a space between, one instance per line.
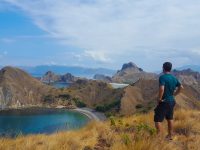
x=100, y=33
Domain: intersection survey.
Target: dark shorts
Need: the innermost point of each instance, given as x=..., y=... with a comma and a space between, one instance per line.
x=164, y=110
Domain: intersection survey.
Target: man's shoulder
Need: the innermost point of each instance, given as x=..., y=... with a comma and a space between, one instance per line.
x=162, y=76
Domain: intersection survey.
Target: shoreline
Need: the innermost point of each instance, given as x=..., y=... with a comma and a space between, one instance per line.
x=90, y=113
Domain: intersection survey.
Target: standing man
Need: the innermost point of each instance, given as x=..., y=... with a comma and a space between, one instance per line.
x=169, y=86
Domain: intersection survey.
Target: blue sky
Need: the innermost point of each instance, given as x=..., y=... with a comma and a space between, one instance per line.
x=100, y=33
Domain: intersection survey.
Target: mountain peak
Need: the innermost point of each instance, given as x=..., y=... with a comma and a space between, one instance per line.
x=130, y=65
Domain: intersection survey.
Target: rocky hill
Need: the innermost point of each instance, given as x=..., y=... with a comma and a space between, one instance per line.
x=18, y=88
x=95, y=93
x=142, y=96
x=187, y=76
x=51, y=77
x=130, y=73
x=102, y=77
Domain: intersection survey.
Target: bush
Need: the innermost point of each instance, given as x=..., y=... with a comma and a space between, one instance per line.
x=107, y=107
x=79, y=103
x=112, y=121
x=49, y=99
x=144, y=127
x=138, y=106
x=66, y=96
x=126, y=139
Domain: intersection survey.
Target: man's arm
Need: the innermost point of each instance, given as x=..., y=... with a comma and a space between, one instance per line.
x=179, y=88
x=161, y=92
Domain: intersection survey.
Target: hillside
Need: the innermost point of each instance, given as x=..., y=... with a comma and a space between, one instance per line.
x=18, y=88
x=125, y=133
x=130, y=73
x=94, y=93
x=142, y=98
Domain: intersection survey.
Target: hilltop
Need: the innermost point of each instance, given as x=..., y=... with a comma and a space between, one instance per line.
x=18, y=88
x=130, y=73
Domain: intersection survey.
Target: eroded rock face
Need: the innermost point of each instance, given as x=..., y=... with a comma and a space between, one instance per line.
x=103, y=78
x=51, y=77
x=19, y=88
x=188, y=76
x=130, y=73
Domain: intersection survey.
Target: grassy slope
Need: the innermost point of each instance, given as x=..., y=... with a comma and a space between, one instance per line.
x=134, y=132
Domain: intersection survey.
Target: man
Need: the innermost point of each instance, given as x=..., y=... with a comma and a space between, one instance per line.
x=169, y=86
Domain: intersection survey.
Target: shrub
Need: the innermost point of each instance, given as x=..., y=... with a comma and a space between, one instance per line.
x=66, y=96
x=138, y=106
x=49, y=99
x=112, y=121
x=126, y=139
x=107, y=107
x=145, y=128
x=79, y=103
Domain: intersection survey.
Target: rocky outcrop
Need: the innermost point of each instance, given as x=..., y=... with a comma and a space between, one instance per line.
x=51, y=77
x=130, y=73
x=18, y=88
x=187, y=76
x=103, y=78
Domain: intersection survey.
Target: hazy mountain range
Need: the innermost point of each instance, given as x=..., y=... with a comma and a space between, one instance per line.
x=193, y=67
x=39, y=71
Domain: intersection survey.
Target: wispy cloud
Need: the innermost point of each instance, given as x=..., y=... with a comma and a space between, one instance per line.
x=113, y=29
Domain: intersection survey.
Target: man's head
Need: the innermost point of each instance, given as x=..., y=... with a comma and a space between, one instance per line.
x=167, y=67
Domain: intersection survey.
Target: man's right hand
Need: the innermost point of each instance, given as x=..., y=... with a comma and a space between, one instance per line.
x=160, y=101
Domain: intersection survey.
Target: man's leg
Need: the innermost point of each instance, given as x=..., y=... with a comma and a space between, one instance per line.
x=170, y=128
x=158, y=127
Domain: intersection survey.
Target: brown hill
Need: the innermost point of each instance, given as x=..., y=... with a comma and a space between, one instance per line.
x=19, y=88
x=188, y=76
x=94, y=93
x=130, y=73
x=143, y=94
x=103, y=78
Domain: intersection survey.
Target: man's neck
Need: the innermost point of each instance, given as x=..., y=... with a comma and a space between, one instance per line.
x=167, y=72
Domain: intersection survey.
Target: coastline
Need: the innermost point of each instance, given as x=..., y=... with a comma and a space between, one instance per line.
x=90, y=113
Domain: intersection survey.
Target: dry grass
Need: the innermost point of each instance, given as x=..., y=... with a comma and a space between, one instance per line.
x=131, y=133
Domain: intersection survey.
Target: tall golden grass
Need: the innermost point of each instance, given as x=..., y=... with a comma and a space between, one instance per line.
x=127, y=133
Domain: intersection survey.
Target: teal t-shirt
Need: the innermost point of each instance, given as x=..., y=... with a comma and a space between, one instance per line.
x=171, y=83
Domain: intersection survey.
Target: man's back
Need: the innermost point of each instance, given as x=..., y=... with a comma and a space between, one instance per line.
x=170, y=83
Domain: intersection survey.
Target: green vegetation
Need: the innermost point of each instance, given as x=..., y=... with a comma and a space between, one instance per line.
x=49, y=99
x=112, y=121
x=65, y=96
x=145, y=128
x=138, y=106
x=145, y=108
x=107, y=107
x=79, y=103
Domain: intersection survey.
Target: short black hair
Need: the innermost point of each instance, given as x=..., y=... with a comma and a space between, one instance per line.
x=167, y=66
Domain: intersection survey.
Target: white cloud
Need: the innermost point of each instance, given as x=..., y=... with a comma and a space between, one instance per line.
x=113, y=29
x=97, y=56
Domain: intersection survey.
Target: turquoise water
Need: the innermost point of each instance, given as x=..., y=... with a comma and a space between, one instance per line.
x=61, y=85
x=39, y=120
